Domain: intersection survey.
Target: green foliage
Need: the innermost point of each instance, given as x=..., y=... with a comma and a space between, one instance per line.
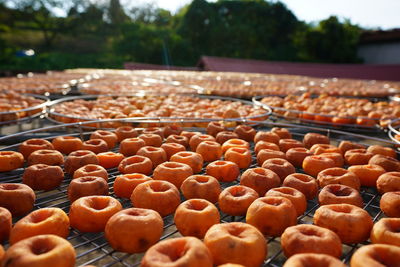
x=116, y=13
x=331, y=41
x=107, y=34
x=243, y=29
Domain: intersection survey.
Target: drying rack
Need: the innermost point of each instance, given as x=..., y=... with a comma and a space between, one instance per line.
x=31, y=112
x=393, y=131
x=324, y=120
x=92, y=248
x=55, y=116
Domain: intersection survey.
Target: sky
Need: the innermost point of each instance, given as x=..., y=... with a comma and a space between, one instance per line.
x=384, y=14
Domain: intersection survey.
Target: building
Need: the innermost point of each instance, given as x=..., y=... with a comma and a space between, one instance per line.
x=145, y=66
x=355, y=71
x=380, y=47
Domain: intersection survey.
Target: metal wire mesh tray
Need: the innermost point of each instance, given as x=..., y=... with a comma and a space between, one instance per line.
x=338, y=121
x=54, y=91
x=143, y=86
x=247, y=85
x=160, y=107
x=393, y=131
x=52, y=84
x=93, y=248
x=25, y=114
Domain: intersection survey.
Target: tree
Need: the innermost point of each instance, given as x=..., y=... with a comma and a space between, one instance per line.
x=329, y=41
x=150, y=14
x=245, y=29
x=91, y=19
x=105, y=33
x=40, y=12
x=116, y=13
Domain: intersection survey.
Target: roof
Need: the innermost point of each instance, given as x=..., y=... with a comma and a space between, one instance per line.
x=368, y=37
x=144, y=66
x=356, y=71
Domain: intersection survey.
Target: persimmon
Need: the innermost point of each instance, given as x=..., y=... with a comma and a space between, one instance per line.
x=193, y=159
x=280, y=211
x=178, y=139
x=297, y=198
x=281, y=167
x=109, y=137
x=124, y=132
x=351, y=223
x=306, y=238
x=10, y=160
x=302, y=182
x=175, y=252
x=265, y=154
x=91, y=170
x=297, y=155
x=240, y=156
x=194, y=217
x=201, y=186
x=151, y=139
x=31, y=145
x=41, y=250
x=227, y=243
x=43, y=177
x=86, y=186
x=224, y=171
x=135, y=164
x=130, y=146
x=95, y=145
x=313, y=165
x=234, y=143
x=39, y=222
x=109, y=159
x=67, y=144
x=173, y=172
x=46, y=156
x=91, y=213
x=339, y=194
x=209, y=150
x=157, y=155
x=260, y=179
x=78, y=159
x=5, y=224
x=245, y=132
x=17, y=198
x=368, y=174
x=134, y=230
x=338, y=176
x=172, y=148
x=126, y=183
x=235, y=200
x=158, y=195
x=286, y=144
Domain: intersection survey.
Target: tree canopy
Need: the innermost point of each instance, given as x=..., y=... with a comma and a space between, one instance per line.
x=107, y=33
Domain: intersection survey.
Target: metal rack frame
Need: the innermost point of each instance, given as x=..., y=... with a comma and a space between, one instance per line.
x=393, y=130
x=50, y=111
x=41, y=111
x=83, y=87
x=92, y=248
x=297, y=118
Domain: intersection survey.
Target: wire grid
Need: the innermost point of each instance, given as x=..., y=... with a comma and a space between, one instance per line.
x=55, y=117
x=294, y=116
x=93, y=248
x=31, y=113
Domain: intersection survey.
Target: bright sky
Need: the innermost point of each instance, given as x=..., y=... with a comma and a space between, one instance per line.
x=384, y=14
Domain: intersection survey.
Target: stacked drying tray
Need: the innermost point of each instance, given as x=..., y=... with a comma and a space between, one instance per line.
x=98, y=249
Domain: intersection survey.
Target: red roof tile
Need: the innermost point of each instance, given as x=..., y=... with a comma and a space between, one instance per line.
x=144, y=66
x=380, y=36
x=356, y=71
